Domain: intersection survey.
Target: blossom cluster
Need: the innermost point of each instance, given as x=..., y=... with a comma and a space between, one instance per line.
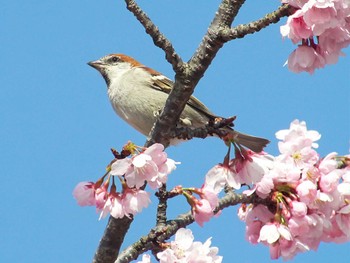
x=203, y=208
x=308, y=197
x=183, y=249
x=322, y=27
x=151, y=166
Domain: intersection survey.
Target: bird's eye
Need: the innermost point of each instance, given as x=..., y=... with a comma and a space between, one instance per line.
x=114, y=59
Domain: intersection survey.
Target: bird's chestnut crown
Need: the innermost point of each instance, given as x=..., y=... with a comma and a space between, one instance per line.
x=113, y=59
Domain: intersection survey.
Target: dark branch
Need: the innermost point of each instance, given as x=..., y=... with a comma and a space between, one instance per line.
x=112, y=240
x=162, y=205
x=213, y=41
x=186, y=81
x=241, y=31
x=158, y=38
x=217, y=128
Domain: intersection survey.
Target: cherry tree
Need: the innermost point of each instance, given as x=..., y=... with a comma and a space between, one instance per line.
x=290, y=203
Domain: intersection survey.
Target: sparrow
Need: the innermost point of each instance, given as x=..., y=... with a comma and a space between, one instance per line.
x=138, y=94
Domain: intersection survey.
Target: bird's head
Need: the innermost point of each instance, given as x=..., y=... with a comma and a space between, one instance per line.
x=114, y=65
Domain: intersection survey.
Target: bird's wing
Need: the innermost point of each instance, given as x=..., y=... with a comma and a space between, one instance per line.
x=162, y=83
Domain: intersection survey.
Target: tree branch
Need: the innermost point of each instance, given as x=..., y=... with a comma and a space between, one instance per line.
x=211, y=129
x=241, y=31
x=162, y=205
x=112, y=240
x=213, y=41
x=160, y=234
x=186, y=80
x=158, y=38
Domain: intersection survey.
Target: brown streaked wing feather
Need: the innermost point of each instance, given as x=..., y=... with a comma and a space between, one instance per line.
x=164, y=84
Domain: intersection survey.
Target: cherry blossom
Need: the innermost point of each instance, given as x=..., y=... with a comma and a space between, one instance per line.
x=203, y=208
x=250, y=167
x=208, y=194
x=307, y=197
x=305, y=58
x=296, y=29
x=121, y=167
x=219, y=175
x=151, y=166
x=184, y=249
x=84, y=193
x=310, y=195
x=273, y=232
x=130, y=202
x=202, y=211
x=143, y=169
x=342, y=219
x=246, y=168
x=296, y=137
x=113, y=206
x=344, y=186
x=322, y=27
x=101, y=196
x=134, y=200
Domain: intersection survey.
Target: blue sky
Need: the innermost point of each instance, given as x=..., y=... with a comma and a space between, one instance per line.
x=57, y=125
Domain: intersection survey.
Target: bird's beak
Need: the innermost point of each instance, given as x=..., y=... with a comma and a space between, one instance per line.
x=97, y=64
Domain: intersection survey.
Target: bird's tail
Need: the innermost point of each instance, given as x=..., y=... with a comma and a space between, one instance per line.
x=256, y=144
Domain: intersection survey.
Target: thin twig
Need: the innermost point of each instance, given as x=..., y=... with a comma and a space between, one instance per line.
x=241, y=31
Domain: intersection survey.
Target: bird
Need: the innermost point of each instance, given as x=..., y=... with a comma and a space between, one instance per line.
x=138, y=94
